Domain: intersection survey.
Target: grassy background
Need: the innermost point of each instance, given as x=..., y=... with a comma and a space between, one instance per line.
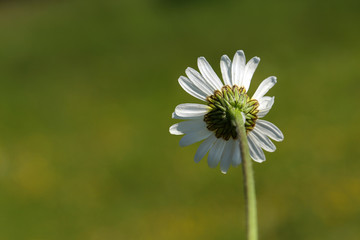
x=86, y=94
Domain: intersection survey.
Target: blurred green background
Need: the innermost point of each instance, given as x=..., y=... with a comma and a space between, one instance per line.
x=87, y=89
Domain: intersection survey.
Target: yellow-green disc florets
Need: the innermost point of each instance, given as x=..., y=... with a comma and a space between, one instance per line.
x=218, y=118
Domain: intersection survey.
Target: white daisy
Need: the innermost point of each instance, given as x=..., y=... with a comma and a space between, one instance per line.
x=210, y=122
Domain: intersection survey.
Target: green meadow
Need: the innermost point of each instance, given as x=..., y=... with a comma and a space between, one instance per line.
x=87, y=89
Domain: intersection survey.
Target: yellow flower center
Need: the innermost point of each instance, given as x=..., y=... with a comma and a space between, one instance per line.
x=218, y=119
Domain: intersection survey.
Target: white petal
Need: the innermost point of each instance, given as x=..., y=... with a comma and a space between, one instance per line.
x=174, y=130
x=175, y=116
x=263, y=113
x=238, y=68
x=263, y=140
x=209, y=74
x=269, y=129
x=191, y=110
x=191, y=89
x=204, y=148
x=249, y=72
x=236, y=158
x=196, y=78
x=216, y=152
x=264, y=87
x=226, y=156
x=194, y=137
x=225, y=65
x=256, y=152
x=266, y=104
x=187, y=127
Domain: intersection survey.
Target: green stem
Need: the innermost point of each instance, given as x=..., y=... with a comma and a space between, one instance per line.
x=249, y=183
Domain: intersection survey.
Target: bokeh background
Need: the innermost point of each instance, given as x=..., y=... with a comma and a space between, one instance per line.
x=87, y=89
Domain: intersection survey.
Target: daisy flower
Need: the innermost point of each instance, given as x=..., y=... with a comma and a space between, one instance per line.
x=211, y=121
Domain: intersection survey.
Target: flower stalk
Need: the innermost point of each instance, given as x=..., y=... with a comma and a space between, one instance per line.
x=248, y=178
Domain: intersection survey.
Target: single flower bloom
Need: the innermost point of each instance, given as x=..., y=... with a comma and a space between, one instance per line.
x=211, y=122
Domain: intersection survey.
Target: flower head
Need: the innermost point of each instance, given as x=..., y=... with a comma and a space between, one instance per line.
x=211, y=121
